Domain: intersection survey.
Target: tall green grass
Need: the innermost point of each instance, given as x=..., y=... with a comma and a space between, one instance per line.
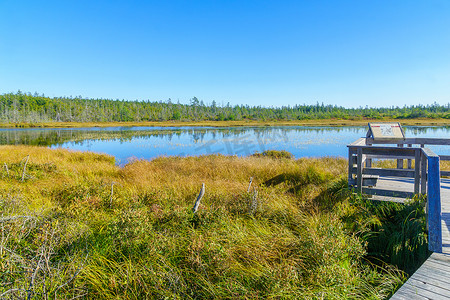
x=396, y=233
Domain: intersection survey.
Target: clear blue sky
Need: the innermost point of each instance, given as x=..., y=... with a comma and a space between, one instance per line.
x=349, y=53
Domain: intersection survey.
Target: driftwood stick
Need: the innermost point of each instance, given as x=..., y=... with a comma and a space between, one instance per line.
x=7, y=170
x=197, y=202
x=12, y=218
x=250, y=184
x=11, y=291
x=24, y=168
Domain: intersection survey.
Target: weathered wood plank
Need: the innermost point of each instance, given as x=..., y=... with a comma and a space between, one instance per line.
x=440, y=257
x=406, y=294
x=429, y=153
x=432, y=265
x=445, y=173
x=358, y=142
x=414, y=141
x=386, y=172
x=416, y=290
x=434, y=279
x=387, y=193
x=389, y=151
x=388, y=199
x=379, y=156
x=438, y=265
x=426, y=285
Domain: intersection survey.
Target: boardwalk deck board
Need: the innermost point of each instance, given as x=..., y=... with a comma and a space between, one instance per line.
x=429, y=270
x=426, y=285
x=439, y=266
x=434, y=279
x=405, y=294
x=418, y=293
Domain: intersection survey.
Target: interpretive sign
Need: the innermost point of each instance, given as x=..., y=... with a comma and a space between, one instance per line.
x=385, y=131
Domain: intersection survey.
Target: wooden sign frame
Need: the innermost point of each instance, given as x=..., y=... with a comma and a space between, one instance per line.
x=381, y=131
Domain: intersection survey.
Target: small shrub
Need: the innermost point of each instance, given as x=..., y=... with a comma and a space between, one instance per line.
x=274, y=154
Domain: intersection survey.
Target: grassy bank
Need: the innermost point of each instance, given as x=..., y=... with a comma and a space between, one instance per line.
x=77, y=225
x=323, y=122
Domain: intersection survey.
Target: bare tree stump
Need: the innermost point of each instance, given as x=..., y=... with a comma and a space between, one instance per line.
x=24, y=168
x=250, y=184
x=200, y=196
x=7, y=170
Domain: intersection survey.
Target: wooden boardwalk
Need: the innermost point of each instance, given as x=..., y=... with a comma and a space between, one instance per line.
x=432, y=279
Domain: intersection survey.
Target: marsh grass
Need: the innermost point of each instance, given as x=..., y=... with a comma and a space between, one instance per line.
x=66, y=235
x=395, y=232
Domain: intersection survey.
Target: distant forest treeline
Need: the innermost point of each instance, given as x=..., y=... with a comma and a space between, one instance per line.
x=27, y=108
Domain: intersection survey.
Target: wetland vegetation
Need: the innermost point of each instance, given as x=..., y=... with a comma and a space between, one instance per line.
x=74, y=224
x=24, y=110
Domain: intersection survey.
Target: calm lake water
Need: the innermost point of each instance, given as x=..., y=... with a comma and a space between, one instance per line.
x=127, y=143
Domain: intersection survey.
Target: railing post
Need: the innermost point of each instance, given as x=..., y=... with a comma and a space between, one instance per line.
x=400, y=161
x=434, y=205
x=417, y=153
x=423, y=174
x=359, y=166
x=409, y=160
x=350, y=167
x=369, y=160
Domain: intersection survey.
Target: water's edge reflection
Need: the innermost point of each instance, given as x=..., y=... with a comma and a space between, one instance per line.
x=149, y=142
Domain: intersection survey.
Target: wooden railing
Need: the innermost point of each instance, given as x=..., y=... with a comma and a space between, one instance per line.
x=409, y=142
x=426, y=174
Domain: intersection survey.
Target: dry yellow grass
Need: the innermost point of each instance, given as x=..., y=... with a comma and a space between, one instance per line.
x=141, y=239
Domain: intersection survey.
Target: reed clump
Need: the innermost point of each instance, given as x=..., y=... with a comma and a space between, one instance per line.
x=80, y=226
